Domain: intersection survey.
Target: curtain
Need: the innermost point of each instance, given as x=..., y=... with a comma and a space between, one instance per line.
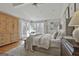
x=37, y=28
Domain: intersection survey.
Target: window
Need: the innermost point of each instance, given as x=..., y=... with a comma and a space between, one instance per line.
x=37, y=27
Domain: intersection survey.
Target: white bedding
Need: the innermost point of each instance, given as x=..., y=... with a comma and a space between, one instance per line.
x=52, y=43
x=55, y=42
x=44, y=41
x=36, y=40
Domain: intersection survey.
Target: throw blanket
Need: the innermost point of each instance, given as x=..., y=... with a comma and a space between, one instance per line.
x=45, y=41
x=42, y=41
x=36, y=40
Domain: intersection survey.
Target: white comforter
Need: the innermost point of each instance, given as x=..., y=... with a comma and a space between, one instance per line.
x=36, y=40
x=45, y=41
x=42, y=41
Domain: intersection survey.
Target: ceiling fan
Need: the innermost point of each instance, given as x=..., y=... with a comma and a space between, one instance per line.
x=36, y=4
x=17, y=4
x=20, y=4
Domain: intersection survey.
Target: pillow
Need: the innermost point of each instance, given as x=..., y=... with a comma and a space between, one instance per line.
x=59, y=36
x=54, y=35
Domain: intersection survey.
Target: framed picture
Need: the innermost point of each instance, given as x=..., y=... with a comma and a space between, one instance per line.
x=71, y=9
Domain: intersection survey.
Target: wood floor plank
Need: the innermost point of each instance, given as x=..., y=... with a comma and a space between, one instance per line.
x=8, y=47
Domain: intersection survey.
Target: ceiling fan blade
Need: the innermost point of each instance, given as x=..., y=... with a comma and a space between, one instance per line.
x=17, y=4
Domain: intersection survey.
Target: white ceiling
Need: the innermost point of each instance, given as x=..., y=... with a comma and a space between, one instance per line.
x=27, y=11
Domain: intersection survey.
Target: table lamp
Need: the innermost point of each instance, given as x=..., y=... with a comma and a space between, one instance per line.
x=75, y=22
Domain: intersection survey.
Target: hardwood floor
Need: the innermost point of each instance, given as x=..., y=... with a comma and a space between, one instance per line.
x=8, y=47
x=17, y=49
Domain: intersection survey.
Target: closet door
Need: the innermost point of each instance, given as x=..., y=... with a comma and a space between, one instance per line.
x=4, y=39
x=14, y=37
x=15, y=34
x=16, y=27
x=1, y=40
x=2, y=23
x=10, y=24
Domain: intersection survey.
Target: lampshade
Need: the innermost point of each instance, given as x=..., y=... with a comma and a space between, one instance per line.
x=74, y=20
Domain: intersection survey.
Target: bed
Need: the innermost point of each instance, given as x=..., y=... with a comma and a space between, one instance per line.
x=52, y=48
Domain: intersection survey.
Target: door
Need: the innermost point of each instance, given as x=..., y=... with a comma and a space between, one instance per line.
x=14, y=37
x=15, y=34
x=10, y=24
x=16, y=26
x=2, y=23
x=4, y=39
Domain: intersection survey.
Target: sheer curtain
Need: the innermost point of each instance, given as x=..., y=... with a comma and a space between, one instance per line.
x=38, y=28
x=23, y=28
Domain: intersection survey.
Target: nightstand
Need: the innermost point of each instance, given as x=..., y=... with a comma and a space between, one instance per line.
x=69, y=47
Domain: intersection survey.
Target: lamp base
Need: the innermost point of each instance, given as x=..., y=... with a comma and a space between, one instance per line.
x=77, y=43
x=76, y=34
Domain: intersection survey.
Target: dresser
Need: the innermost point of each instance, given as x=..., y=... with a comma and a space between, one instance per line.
x=69, y=47
x=9, y=29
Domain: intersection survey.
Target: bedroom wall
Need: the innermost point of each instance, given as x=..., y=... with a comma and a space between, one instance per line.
x=51, y=25
x=63, y=23
x=23, y=29
x=45, y=27
x=63, y=20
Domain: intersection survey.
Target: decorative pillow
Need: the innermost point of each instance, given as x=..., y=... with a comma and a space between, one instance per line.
x=59, y=36
x=54, y=35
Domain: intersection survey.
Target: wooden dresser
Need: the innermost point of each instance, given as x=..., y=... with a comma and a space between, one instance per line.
x=9, y=31
x=69, y=47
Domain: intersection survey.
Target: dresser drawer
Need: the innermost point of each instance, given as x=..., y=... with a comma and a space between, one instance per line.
x=67, y=48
